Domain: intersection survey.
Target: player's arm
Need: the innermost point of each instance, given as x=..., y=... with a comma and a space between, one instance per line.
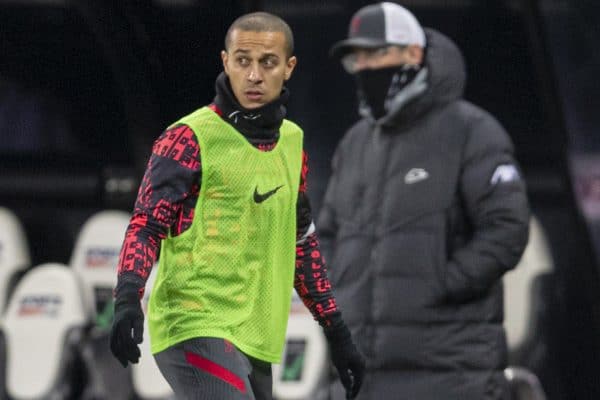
x=311, y=281
x=164, y=202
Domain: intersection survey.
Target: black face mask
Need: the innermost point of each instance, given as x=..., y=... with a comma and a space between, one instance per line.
x=377, y=87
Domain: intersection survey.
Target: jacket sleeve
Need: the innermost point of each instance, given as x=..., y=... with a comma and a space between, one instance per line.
x=495, y=205
x=326, y=223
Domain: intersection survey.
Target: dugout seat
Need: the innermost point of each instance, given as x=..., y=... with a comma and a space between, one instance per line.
x=524, y=385
x=43, y=329
x=94, y=259
x=519, y=288
x=300, y=375
x=521, y=308
x=148, y=382
x=14, y=254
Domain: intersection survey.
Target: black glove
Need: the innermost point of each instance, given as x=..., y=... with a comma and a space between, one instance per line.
x=346, y=359
x=128, y=325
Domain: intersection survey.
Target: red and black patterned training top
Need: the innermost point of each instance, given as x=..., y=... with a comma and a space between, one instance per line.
x=166, y=202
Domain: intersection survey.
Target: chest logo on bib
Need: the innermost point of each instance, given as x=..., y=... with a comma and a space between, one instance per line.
x=260, y=197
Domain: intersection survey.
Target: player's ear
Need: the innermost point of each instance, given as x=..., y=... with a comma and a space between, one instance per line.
x=225, y=59
x=289, y=67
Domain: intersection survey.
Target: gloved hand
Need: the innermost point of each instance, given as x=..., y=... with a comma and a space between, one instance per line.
x=128, y=325
x=346, y=359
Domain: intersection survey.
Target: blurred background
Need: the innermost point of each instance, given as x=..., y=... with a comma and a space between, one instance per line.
x=87, y=85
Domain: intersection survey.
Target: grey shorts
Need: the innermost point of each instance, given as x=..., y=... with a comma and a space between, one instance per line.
x=212, y=368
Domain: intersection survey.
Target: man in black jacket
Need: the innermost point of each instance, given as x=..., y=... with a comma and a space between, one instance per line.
x=425, y=211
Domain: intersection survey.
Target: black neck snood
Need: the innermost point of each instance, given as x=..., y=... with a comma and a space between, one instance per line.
x=260, y=124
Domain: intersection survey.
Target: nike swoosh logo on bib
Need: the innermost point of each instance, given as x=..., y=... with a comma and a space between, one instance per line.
x=260, y=197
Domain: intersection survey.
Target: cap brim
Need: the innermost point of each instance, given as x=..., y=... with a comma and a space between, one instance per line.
x=343, y=47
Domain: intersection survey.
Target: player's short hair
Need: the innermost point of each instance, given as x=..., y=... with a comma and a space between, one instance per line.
x=262, y=22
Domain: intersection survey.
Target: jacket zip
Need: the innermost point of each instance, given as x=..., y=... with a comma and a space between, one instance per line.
x=379, y=140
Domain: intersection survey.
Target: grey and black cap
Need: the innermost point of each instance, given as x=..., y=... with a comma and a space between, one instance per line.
x=380, y=25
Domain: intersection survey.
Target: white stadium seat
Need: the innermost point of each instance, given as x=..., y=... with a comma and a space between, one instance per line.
x=300, y=375
x=42, y=328
x=96, y=254
x=524, y=384
x=519, y=309
x=519, y=315
x=14, y=253
x=94, y=259
x=148, y=382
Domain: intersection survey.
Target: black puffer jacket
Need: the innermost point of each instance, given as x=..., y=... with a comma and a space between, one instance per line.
x=424, y=212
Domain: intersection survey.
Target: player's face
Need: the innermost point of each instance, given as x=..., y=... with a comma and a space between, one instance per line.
x=257, y=66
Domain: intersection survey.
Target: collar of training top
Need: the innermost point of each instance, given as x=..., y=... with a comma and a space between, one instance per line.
x=260, y=124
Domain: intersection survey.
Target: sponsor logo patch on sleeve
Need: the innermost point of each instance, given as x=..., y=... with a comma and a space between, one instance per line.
x=505, y=173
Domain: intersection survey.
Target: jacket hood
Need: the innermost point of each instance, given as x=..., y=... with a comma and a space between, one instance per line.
x=446, y=65
x=446, y=79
